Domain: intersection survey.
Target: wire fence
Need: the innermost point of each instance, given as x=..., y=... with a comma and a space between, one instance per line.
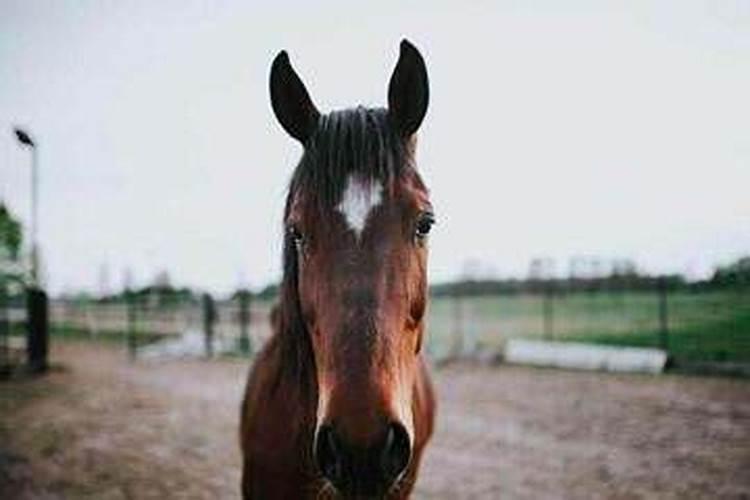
x=12, y=337
x=211, y=327
x=23, y=329
x=692, y=326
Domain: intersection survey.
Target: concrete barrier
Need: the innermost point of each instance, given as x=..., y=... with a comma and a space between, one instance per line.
x=585, y=356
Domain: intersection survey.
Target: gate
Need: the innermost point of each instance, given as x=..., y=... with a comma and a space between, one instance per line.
x=24, y=328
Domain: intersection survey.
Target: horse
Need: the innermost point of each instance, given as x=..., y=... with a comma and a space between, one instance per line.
x=339, y=403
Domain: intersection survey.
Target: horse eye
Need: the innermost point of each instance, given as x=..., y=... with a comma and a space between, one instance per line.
x=424, y=224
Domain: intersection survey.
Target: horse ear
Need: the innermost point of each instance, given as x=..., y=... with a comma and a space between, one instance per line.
x=290, y=101
x=409, y=90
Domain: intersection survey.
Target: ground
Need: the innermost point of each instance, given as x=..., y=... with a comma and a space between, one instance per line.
x=100, y=427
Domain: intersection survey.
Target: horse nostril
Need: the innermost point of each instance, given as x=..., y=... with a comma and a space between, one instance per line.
x=367, y=470
x=396, y=452
x=328, y=454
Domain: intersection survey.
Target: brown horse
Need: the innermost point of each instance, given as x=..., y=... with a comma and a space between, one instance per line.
x=339, y=402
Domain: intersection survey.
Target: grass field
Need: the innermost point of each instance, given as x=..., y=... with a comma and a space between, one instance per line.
x=704, y=326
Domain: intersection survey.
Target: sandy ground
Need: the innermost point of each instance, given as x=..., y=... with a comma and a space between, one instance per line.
x=100, y=427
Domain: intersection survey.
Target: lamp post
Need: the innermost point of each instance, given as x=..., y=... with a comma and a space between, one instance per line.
x=37, y=307
x=25, y=140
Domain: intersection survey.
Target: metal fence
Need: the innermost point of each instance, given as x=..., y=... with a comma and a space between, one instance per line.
x=214, y=327
x=23, y=329
x=12, y=331
x=691, y=325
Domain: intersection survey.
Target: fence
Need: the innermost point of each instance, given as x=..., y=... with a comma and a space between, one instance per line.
x=239, y=325
x=23, y=329
x=691, y=325
x=12, y=343
x=705, y=325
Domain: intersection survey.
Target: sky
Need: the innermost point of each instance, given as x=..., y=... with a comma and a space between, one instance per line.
x=608, y=129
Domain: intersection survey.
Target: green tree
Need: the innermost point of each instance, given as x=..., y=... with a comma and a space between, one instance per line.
x=10, y=235
x=736, y=273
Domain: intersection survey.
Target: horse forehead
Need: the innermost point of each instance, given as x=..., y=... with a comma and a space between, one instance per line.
x=360, y=197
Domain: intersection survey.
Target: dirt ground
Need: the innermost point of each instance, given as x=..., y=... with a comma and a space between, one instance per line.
x=101, y=427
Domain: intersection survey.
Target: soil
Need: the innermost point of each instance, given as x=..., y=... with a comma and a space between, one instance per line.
x=99, y=426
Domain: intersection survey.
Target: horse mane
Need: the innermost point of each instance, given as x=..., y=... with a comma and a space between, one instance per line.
x=359, y=141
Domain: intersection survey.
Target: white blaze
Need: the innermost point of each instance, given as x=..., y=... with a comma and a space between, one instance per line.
x=358, y=201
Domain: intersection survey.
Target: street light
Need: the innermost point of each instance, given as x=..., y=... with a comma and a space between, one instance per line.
x=37, y=306
x=25, y=140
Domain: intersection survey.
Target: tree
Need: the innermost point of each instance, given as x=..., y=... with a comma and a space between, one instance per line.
x=11, y=271
x=10, y=235
x=735, y=274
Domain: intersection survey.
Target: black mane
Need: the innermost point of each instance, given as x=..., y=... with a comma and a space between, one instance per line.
x=358, y=141
x=354, y=141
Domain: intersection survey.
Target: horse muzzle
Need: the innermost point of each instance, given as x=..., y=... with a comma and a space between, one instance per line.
x=357, y=470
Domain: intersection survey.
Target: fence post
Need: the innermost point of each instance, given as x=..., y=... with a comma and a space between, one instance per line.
x=244, y=298
x=663, y=314
x=5, y=365
x=209, y=316
x=38, y=332
x=548, y=311
x=458, y=334
x=130, y=307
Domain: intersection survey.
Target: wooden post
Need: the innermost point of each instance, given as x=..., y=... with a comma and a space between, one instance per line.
x=209, y=316
x=244, y=318
x=131, y=304
x=458, y=333
x=38, y=332
x=663, y=314
x=5, y=365
x=548, y=311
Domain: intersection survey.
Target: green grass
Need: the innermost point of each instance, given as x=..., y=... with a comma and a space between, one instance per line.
x=722, y=340
x=705, y=326
x=66, y=332
x=63, y=332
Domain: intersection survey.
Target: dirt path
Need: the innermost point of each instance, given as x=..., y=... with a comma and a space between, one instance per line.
x=103, y=428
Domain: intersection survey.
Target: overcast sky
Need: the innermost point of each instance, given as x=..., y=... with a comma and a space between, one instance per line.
x=616, y=129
